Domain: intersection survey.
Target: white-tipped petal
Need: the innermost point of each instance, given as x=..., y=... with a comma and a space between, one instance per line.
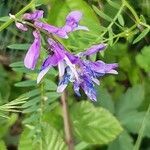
x=81, y=28
x=61, y=88
x=113, y=72
x=42, y=74
x=96, y=81
x=61, y=68
x=72, y=67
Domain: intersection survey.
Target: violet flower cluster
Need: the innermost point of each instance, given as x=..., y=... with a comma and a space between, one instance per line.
x=82, y=72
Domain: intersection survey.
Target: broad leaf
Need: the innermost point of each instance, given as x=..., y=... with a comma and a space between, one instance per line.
x=94, y=125
x=52, y=140
x=49, y=137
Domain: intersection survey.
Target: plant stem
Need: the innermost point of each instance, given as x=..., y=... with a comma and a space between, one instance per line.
x=67, y=125
x=6, y=24
x=141, y=131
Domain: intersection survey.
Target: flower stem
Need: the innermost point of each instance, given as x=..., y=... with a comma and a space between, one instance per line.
x=141, y=131
x=67, y=125
x=6, y=24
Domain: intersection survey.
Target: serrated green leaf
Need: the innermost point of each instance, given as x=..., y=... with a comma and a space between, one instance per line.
x=94, y=125
x=27, y=83
x=19, y=46
x=101, y=14
x=25, y=143
x=120, y=19
x=142, y=35
x=51, y=139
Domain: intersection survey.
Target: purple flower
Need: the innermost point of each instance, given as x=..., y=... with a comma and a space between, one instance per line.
x=51, y=29
x=88, y=72
x=32, y=55
x=72, y=24
x=34, y=15
x=59, y=58
x=21, y=26
x=94, y=49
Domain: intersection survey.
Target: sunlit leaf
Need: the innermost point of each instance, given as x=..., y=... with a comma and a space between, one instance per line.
x=50, y=139
x=94, y=125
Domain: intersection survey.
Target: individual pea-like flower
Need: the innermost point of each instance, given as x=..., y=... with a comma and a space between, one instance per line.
x=21, y=26
x=33, y=53
x=72, y=24
x=36, y=15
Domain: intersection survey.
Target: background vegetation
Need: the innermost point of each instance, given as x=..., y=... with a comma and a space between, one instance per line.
x=31, y=114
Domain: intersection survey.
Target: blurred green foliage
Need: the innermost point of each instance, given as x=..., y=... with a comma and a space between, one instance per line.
x=120, y=120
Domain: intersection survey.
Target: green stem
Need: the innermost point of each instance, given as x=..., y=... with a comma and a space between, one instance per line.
x=6, y=24
x=41, y=111
x=141, y=131
x=111, y=24
x=122, y=34
x=144, y=24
